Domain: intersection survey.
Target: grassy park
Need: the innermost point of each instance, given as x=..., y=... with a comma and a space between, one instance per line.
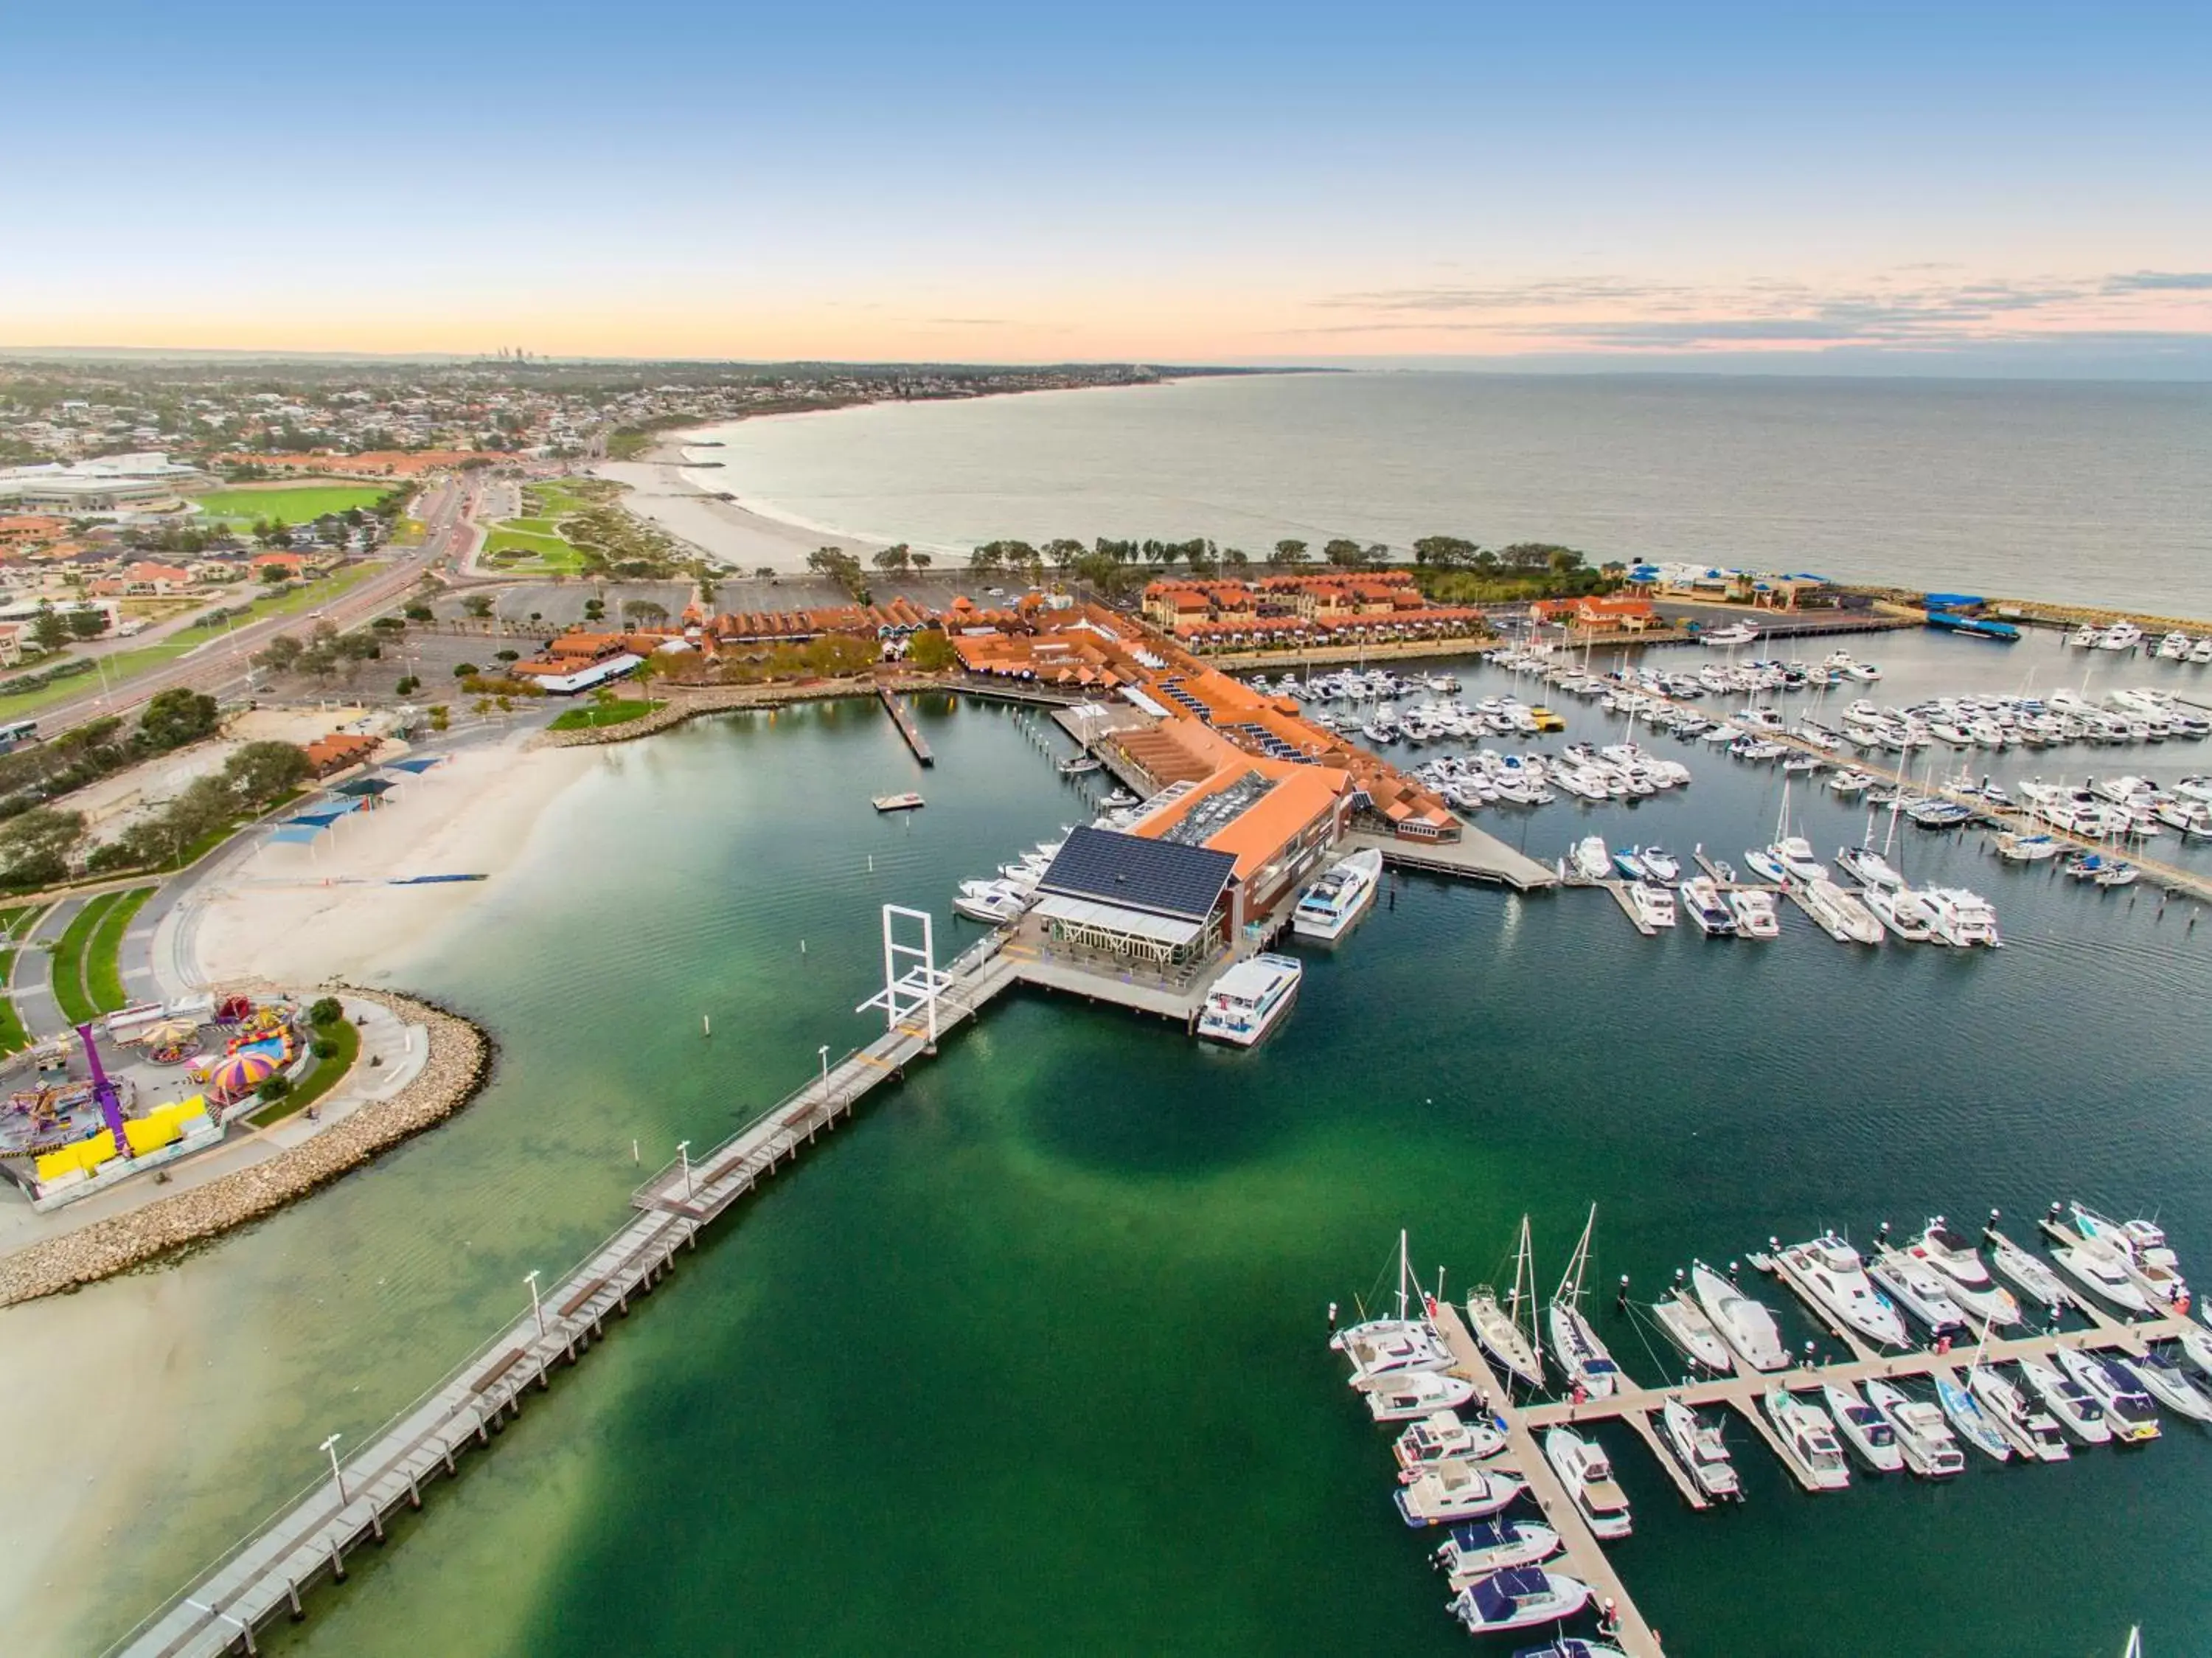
x=87, y=962
x=301, y=504
x=326, y=1074
x=14, y=924
x=591, y=719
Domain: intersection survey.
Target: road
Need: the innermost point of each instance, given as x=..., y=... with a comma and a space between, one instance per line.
x=222, y=667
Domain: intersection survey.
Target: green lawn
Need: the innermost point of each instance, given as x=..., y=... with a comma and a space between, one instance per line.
x=591, y=719
x=103, y=968
x=554, y=499
x=13, y=923
x=300, y=505
x=69, y=960
x=514, y=550
x=326, y=1074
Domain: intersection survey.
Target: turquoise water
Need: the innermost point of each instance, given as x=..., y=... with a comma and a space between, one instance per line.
x=1029, y=1357
x=2085, y=494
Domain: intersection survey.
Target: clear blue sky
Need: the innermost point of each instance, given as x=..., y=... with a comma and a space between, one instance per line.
x=1985, y=185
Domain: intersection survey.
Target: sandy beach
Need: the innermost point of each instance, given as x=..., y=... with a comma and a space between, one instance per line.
x=307, y=914
x=661, y=490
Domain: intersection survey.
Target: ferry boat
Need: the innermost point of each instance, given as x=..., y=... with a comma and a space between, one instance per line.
x=1327, y=910
x=1583, y=1468
x=1247, y=1000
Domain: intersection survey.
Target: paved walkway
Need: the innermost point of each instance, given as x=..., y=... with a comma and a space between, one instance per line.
x=32, y=988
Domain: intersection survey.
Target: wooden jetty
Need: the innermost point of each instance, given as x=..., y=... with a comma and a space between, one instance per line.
x=1474, y=856
x=907, y=730
x=266, y=1574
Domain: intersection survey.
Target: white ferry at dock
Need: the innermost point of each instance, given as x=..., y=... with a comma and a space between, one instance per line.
x=1327, y=909
x=1247, y=1000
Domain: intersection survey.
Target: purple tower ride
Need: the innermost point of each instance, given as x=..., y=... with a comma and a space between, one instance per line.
x=111, y=1107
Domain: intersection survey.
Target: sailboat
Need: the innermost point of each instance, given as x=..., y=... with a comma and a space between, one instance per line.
x=1498, y=1327
x=1576, y=1349
x=1388, y=1347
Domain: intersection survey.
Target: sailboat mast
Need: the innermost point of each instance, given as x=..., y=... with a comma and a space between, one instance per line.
x=1526, y=1267
x=1402, y=1271
x=1570, y=1286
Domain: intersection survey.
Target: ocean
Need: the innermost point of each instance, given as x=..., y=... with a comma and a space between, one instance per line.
x=1029, y=1357
x=2088, y=494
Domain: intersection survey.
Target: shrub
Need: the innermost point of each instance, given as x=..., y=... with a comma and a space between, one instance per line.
x=324, y=1049
x=327, y=1010
x=276, y=1089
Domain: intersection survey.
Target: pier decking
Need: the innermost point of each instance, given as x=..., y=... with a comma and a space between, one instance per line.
x=267, y=1573
x=1475, y=855
x=907, y=730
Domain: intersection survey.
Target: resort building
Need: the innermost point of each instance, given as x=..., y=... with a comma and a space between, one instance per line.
x=1280, y=610
x=108, y=483
x=1594, y=615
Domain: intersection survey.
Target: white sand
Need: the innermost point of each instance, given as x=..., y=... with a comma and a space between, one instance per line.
x=660, y=491
x=302, y=914
x=85, y=1458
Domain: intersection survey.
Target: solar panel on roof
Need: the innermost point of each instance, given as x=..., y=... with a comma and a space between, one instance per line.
x=1138, y=873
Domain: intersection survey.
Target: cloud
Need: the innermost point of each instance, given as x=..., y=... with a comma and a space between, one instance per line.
x=1917, y=308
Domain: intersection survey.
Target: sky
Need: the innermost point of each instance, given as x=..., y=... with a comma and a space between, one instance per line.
x=1885, y=188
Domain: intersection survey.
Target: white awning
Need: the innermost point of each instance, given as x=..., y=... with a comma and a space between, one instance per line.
x=1113, y=918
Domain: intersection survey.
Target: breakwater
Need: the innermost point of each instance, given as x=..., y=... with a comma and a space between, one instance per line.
x=459, y=1064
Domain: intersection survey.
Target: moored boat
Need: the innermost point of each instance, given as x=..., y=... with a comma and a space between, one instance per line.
x=1248, y=1000
x=1475, y=1551
x=1833, y=1274
x=1863, y=1428
x=1689, y=1329
x=1926, y=1443
x=1519, y=1598
x=1807, y=1440
x=1584, y=1469
x=1971, y=1423
x=1701, y=1450
x=1327, y=909
x=1747, y=1326
x=2070, y=1405
x=1452, y=1492
x=2119, y=1393
x=2033, y=1432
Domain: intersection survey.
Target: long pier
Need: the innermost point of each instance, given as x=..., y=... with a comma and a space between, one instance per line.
x=1476, y=856
x=907, y=728
x=268, y=1573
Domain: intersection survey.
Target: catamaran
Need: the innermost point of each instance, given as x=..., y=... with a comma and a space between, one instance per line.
x=1499, y=1328
x=1381, y=1349
x=1576, y=1349
x=1327, y=910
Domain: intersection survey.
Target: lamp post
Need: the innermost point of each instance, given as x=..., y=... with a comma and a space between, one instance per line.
x=537, y=1306
x=329, y=1447
x=683, y=1157
x=824, y=1052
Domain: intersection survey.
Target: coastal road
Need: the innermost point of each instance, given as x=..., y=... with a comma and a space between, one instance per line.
x=222, y=666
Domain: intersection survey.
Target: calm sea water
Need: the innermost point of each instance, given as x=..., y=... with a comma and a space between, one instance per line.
x=2096, y=493
x=1029, y=1357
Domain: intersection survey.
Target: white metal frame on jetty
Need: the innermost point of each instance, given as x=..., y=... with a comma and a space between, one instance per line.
x=310, y=1535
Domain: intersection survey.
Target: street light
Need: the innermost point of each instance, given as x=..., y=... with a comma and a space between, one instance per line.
x=330, y=1447
x=537, y=1306
x=824, y=1052
x=683, y=1157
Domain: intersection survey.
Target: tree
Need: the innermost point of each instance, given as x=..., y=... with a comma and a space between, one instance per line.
x=509, y=655
x=897, y=557
x=477, y=605
x=1443, y=552
x=34, y=846
x=326, y=1010
x=175, y=717
x=272, y=576
x=275, y=1088
x=1063, y=552
x=261, y=772
x=48, y=631
x=1290, y=553
x=644, y=610
x=423, y=614
x=1236, y=558
x=764, y=572
x=922, y=561
x=88, y=624
x=465, y=670
x=931, y=652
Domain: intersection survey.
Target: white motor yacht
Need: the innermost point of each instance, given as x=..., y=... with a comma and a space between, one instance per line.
x=996, y=907
x=1747, y=1326
x=1953, y=1253
x=1327, y=910
x=1864, y=1429
x=1920, y=1289
x=1480, y=1547
x=2034, y=1431
x=1807, y=1440
x=2104, y=1272
x=2035, y=1280
x=1799, y=862
x=1765, y=862
x=1700, y=1449
x=1970, y=1420
x=2067, y=1401
x=1410, y=1395
x=1589, y=860
x=1390, y=1347
x=1842, y=917
x=1246, y=1002
x=1754, y=912
x=1583, y=1468
x=1832, y=1271
x=1904, y=912
x=1653, y=906
x=1868, y=868
x=1702, y=899
x=1441, y=1437
x=2119, y=1393
x=1522, y=1597
x=1689, y=1329
x=1961, y=917
x=2168, y=1383
x=1925, y=1440
x=1450, y=1492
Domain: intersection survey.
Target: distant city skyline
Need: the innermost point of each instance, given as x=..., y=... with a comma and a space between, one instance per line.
x=1980, y=190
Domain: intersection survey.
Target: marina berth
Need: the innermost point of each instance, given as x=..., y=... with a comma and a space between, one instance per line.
x=1449, y=1492
x=1327, y=909
x=2068, y=1402
x=1923, y=1439
x=1831, y=1272
x=2034, y=1432
x=1250, y=999
x=1519, y=1598
x=1472, y=1551
x=1584, y=1469
x=1747, y=1326
x=1701, y=1450
x=1807, y=1440
x=1864, y=1429
x=2118, y=1392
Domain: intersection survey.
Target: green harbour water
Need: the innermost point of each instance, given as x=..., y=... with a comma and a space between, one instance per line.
x=1030, y=1357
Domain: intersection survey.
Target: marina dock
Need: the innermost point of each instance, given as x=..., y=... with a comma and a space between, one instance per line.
x=907, y=730
x=267, y=1574
x=1475, y=855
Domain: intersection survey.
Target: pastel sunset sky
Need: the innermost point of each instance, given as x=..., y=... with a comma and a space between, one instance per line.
x=1955, y=188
